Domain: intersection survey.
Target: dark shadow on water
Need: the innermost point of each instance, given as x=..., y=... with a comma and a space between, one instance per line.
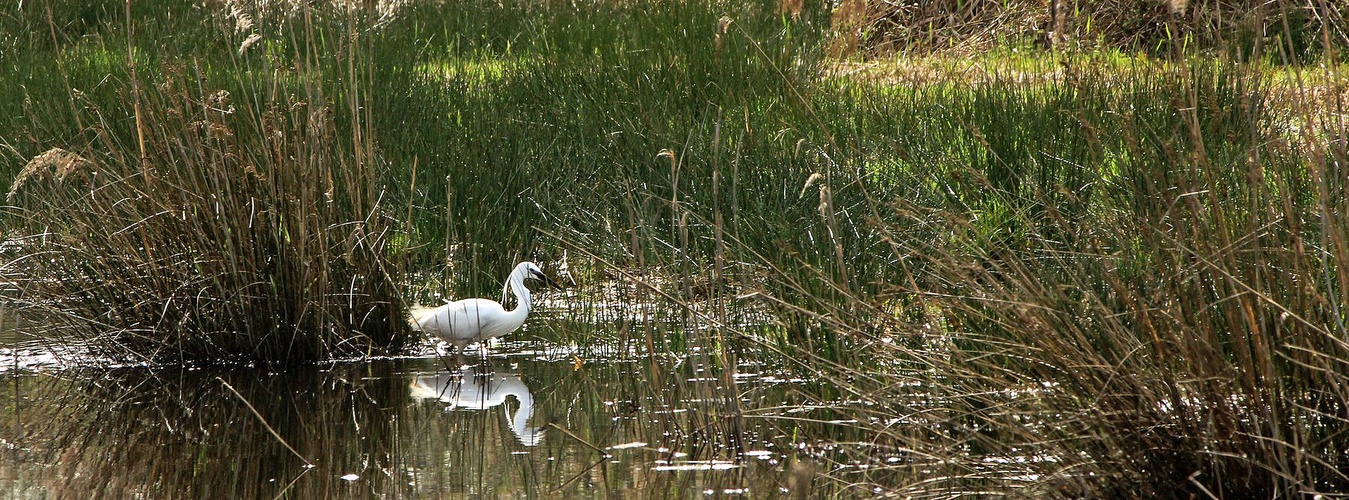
x=520, y=426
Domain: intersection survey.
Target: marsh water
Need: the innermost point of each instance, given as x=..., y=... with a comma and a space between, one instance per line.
x=526, y=420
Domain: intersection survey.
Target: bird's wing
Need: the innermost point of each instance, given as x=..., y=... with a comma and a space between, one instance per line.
x=479, y=316
x=462, y=320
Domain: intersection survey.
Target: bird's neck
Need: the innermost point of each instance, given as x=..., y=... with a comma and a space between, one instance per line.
x=522, y=297
x=527, y=435
x=523, y=413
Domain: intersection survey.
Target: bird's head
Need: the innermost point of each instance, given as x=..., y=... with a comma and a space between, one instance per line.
x=531, y=271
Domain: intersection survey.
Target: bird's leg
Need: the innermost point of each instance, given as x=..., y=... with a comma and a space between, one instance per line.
x=484, y=358
x=442, y=357
x=484, y=362
x=459, y=355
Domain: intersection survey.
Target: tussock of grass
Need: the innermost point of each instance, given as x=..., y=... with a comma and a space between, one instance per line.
x=225, y=231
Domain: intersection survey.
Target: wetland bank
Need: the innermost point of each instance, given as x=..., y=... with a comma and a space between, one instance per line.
x=809, y=249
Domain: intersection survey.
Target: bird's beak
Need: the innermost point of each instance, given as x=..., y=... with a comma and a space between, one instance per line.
x=549, y=281
x=546, y=280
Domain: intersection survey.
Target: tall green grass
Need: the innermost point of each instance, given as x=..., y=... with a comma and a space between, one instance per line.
x=1117, y=282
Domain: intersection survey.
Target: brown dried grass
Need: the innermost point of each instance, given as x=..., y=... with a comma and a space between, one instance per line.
x=871, y=27
x=52, y=166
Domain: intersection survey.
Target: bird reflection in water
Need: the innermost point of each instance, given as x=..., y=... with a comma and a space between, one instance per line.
x=470, y=390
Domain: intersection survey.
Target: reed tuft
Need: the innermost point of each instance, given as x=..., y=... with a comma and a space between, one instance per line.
x=245, y=232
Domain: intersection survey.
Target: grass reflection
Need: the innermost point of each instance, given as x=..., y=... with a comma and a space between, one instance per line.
x=393, y=428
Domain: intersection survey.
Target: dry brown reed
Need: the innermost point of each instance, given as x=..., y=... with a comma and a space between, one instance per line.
x=52, y=166
x=883, y=27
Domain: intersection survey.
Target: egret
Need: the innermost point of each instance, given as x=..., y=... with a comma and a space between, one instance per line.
x=474, y=320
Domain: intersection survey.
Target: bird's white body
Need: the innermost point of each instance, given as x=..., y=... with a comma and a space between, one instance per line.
x=470, y=320
x=474, y=320
x=468, y=390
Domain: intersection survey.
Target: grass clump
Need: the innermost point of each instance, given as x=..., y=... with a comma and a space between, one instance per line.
x=220, y=230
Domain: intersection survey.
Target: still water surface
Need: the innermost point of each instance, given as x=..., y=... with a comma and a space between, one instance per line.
x=523, y=422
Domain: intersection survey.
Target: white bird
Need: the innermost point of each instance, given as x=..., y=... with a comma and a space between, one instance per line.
x=468, y=390
x=474, y=320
